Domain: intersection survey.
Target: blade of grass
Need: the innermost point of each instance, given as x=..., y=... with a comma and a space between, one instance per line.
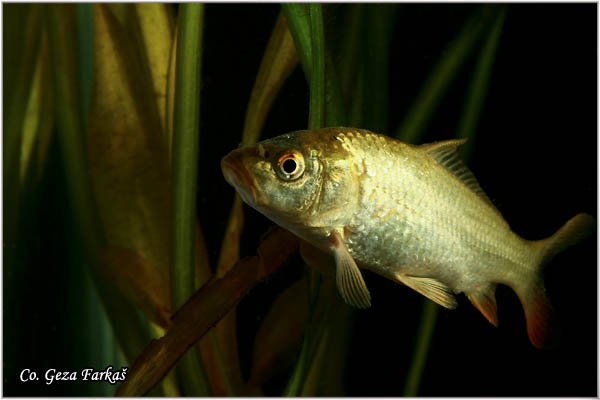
x=195, y=318
x=326, y=375
x=470, y=116
x=442, y=74
x=316, y=114
x=22, y=50
x=478, y=88
x=379, y=20
x=320, y=308
x=350, y=53
x=129, y=330
x=278, y=61
x=186, y=123
x=424, y=335
x=297, y=15
x=38, y=123
x=316, y=120
x=299, y=23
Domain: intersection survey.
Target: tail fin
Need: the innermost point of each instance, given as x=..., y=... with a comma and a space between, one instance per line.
x=538, y=311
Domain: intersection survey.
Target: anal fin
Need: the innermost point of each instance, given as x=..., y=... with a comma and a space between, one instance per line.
x=484, y=300
x=431, y=288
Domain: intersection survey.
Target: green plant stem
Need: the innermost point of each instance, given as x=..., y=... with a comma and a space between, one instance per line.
x=186, y=123
x=379, y=18
x=442, y=74
x=478, y=88
x=316, y=117
x=424, y=335
x=297, y=15
x=299, y=23
x=221, y=360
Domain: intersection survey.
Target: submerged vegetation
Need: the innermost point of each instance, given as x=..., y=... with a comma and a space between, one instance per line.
x=124, y=247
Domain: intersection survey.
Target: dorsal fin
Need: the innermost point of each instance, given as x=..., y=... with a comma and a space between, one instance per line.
x=444, y=152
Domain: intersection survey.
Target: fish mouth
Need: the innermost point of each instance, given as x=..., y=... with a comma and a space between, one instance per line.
x=237, y=176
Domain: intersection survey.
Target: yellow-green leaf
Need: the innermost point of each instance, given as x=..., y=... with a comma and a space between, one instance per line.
x=128, y=154
x=38, y=120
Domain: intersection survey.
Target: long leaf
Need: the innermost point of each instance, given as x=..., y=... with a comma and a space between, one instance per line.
x=478, y=88
x=186, y=123
x=300, y=27
x=278, y=61
x=442, y=74
x=379, y=20
x=316, y=110
x=129, y=166
x=470, y=115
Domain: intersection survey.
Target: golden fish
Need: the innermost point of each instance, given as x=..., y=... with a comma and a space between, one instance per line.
x=413, y=214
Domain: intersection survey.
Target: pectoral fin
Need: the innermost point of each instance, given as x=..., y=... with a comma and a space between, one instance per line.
x=431, y=288
x=348, y=278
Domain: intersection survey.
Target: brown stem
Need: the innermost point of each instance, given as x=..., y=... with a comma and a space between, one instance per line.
x=203, y=310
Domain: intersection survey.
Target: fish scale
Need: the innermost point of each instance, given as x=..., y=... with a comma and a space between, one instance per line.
x=413, y=214
x=423, y=247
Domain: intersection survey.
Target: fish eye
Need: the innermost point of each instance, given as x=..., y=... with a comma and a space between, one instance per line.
x=290, y=165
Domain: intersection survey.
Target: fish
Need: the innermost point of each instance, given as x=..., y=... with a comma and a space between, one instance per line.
x=414, y=214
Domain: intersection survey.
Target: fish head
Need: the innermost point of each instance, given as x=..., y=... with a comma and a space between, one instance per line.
x=298, y=180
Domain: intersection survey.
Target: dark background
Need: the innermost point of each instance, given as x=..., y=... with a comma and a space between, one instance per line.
x=535, y=155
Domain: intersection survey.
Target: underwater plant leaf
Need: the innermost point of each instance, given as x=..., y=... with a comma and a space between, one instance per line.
x=22, y=32
x=299, y=23
x=170, y=99
x=186, y=130
x=477, y=91
x=186, y=125
x=424, y=335
x=204, y=309
x=350, y=52
x=438, y=81
x=38, y=123
x=326, y=375
x=71, y=134
x=157, y=31
x=23, y=50
x=123, y=266
x=316, y=108
x=279, y=60
x=322, y=300
x=279, y=336
x=298, y=20
x=127, y=154
x=466, y=129
x=379, y=20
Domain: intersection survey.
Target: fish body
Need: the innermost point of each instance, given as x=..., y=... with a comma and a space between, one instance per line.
x=413, y=214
